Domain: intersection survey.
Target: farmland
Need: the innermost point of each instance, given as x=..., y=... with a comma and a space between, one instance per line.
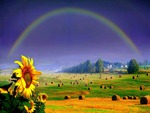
x=96, y=99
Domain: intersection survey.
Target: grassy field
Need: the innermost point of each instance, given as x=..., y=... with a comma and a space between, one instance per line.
x=96, y=99
x=124, y=86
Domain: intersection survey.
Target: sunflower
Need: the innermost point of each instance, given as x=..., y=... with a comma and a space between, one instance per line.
x=26, y=76
x=3, y=90
x=42, y=97
x=32, y=108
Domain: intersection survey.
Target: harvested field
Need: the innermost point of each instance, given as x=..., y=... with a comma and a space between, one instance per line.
x=95, y=105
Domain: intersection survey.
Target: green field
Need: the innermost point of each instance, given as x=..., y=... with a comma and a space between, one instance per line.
x=124, y=86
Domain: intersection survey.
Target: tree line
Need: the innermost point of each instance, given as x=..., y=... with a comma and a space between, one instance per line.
x=98, y=67
x=86, y=67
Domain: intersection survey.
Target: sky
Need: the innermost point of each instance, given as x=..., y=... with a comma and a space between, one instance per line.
x=70, y=38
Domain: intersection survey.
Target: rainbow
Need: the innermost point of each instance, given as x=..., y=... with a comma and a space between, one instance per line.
x=59, y=11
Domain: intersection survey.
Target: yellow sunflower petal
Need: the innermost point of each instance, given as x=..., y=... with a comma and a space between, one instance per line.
x=35, y=77
x=18, y=83
x=3, y=91
x=24, y=60
x=26, y=108
x=23, y=82
x=35, y=82
x=18, y=72
x=31, y=108
x=31, y=62
x=19, y=63
x=37, y=72
x=25, y=93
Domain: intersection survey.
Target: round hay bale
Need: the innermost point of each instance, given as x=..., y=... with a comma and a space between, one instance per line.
x=130, y=97
x=145, y=99
x=111, y=87
x=142, y=87
x=125, y=97
x=59, y=85
x=81, y=97
x=115, y=97
x=67, y=97
x=86, y=84
x=120, y=76
x=134, y=77
x=52, y=82
x=102, y=86
x=89, y=88
x=135, y=98
x=105, y=87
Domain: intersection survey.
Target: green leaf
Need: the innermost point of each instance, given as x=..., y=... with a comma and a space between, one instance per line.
x=6, y=86
x=2, y=97
x=3, y=111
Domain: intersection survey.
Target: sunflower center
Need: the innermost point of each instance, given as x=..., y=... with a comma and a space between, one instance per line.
x=28, y=79
x=43, y=97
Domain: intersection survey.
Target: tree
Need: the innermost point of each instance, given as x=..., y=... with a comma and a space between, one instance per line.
x=99, y=66
x=87, y=66
x=133, y=66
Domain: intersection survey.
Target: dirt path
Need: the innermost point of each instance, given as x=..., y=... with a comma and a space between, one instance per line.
x=93, y=105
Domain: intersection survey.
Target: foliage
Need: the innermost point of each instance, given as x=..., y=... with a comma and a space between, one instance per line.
x=99, y=66
x=133, y=66
x=86, y=67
